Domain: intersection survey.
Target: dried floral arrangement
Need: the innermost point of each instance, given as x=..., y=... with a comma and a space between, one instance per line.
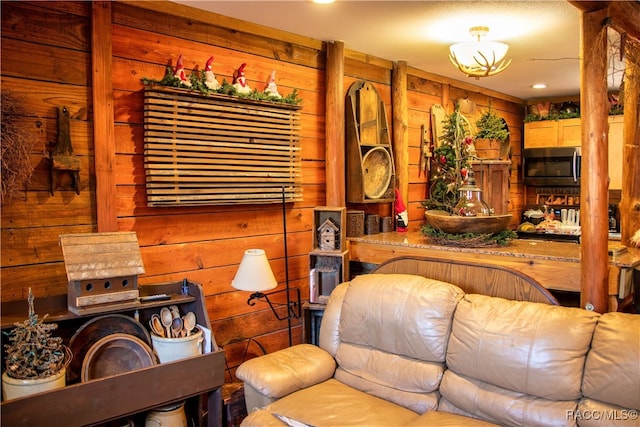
x=16, y=162
x=33, y=352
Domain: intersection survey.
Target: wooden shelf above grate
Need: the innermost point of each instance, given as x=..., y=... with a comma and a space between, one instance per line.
x=219, y=150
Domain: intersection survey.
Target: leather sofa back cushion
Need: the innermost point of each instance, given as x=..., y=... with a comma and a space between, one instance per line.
x=475, y=398
x=390, y=336
x=400, y=314
x=525, y=347
x=613, y=364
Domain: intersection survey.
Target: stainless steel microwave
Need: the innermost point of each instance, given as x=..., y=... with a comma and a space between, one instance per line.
x=551, y=166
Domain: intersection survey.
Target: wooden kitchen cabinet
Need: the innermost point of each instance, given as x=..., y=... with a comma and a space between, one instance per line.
x=615, y=152
x=492, y=177
x=130, y=394
x=553, y=133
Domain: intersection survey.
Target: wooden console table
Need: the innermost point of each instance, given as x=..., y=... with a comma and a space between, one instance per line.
x=124, y=395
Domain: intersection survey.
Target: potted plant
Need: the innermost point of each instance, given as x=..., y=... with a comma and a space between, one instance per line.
x=35, y=361
x=491, y=136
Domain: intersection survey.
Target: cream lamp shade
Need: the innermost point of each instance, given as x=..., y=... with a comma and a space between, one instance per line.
x=479, y=58
x=254, y=273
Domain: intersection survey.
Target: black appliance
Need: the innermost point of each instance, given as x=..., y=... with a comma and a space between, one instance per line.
x=551, y=166
x=614, y=224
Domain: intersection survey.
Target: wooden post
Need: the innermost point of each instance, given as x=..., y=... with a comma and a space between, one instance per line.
x=445, y=99
x=334, y=126
x=630, y=202
x=594, y=266
x=103, y=116
x=400, y=127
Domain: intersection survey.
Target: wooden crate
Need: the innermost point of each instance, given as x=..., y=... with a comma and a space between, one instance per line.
x=102, y=270
x=326, y=271
x=329, y=229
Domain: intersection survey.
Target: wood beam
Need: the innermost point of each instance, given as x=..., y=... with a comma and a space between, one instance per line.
x=594, y=264
x=630, y=201
x=103, y=116
x=622, y=16
x=400, y=127
x=334, y=125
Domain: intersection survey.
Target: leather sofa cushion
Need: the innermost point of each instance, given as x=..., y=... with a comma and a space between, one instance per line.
x=390, y=336
x=531, y=348
x=401, y=314
x=334, y=403
x=612, y=368
x=445, y=419
x=282, y=372
x=417, y=401
x=470, y=397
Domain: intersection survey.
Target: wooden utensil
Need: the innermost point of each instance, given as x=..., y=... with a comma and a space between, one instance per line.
x=167, y=318
x=189, y=321
x=156, y=325
x=176, y=327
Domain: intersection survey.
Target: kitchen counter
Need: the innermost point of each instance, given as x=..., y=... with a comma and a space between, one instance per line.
x=555, y=265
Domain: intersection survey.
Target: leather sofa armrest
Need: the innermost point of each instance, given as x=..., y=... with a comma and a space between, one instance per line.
x=285, y=371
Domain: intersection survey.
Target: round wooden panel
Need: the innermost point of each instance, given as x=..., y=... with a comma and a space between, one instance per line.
x=376, y=172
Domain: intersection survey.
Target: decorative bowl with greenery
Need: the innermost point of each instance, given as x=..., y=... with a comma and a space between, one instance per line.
x=450, y=166
x=33, y=353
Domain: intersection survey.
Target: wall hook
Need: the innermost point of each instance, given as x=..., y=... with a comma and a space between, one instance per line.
x=62, y=158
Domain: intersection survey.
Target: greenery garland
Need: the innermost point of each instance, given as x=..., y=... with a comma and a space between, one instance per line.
x=468, y=240
x=197, y=80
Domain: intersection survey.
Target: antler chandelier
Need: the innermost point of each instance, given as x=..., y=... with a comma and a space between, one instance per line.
x=479, y=58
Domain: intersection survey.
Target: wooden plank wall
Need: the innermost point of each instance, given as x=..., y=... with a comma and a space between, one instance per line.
x=204, y=244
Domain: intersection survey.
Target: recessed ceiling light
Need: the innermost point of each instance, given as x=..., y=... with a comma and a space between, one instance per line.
x=323, y=1
x=539, y=86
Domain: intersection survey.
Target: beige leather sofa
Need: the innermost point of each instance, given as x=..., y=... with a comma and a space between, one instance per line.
x=404, y=350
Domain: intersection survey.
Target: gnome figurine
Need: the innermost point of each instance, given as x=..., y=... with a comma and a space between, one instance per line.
x=180, y=73
x=402, y=217
x=239, y=81
x=210, y=80
x=272, y=88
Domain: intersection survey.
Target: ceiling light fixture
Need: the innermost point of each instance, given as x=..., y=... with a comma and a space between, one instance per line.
x=539, y=86
x=479, y=58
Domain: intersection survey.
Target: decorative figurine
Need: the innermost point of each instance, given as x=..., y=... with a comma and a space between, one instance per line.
x=272, y=88
x=239, y=81
x=210, y=80
x=402, y=216
x=180, y=73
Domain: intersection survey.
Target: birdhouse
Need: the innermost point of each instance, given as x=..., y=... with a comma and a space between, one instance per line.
x=328, y=235
x=102, y=269
x=328, y=229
